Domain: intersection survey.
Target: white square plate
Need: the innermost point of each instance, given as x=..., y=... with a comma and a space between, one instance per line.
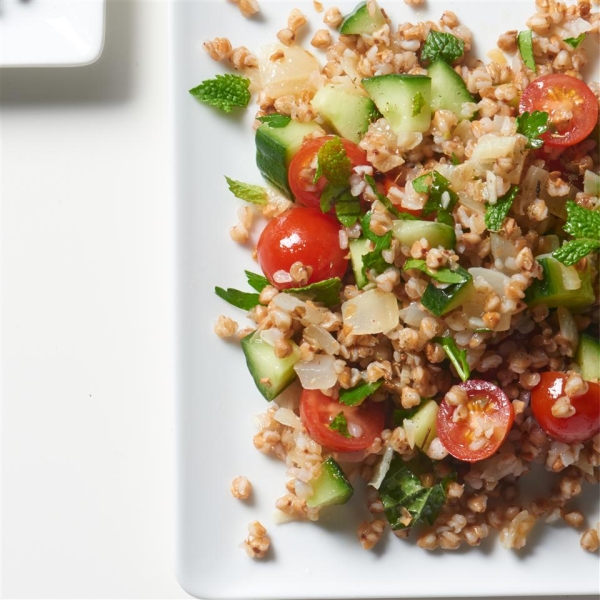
x=217, y=399
x=51, y=33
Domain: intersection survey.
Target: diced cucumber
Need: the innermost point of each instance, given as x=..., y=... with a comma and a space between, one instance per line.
x=358, y=248
x=347, y=113
x=275, y=148
x=330, y=487
x=439, y=301
x=360, y=21
x=552, y=289
x=270, y=373
x=588, y=357
x=424, y=423
x=448, y=90
x=437, y=234
x=404, y=100
x=591, y=183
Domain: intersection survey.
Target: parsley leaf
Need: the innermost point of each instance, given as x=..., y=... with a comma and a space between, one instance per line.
x=255, y=194
x=358, y=393
x=574, y=42
x=583, y=224
x=374, y=259
x=442, y=45
x=532, y=126
x=383, y=199
x=525, y=44
x=326, y=291
x=441, y=197
x=340, y=425
x=224, y=91
x=457, y=356
x=276, y=121
x=256, y=281
x=243, y=300
x=496, y=213
x=454, y=159
x=443, y=275
x=418, y=102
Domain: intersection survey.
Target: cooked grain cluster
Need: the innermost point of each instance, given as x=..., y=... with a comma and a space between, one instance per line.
x=408, y=359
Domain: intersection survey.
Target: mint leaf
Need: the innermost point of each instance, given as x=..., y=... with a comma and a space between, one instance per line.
x=257, y=282
x=340, y=425
x=442, y=45
x=418, y=102
x=525, y=44
x=532, y=126
x=374, y=259
x=224, y=91
x=582, y=222
x=326, y=291
x=276, y=121
x=443, y=275
x=442, y=198
x=496, y=213
x=573, y=251
x=574, y=42
x=243, y=300
x=333, y=163
x=457, y=356
x=359, y=392
x=247, y=191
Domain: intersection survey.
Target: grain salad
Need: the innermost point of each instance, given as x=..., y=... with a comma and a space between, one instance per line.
x=424, y=315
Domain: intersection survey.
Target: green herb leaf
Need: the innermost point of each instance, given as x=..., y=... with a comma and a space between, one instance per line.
x=403, y=413
x=374, y=259
x=421, y=183
x=574, y=42
x=401, y=490
x=340, y=425
x=496, y=213
x=582, y=222
x=255, y=194
x=256, y=281
x=442, y=198
x=443, y=275
x=532, y=126
x=525, y=44
x=457, y=356
x=444, y=216
x=224, y=91
x=359, y=392
x=454, y=159
x=442, y=45
x=275, y=121
x=573, y=251
x=326, y=291
x=243, y=300
x=418, y=102
x=383, y=199
x=333, y=163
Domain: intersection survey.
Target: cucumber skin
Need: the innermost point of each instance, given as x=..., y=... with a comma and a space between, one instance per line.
x=448, y=90
x=424, y=421
x=548, y=291
x=437, y=234
x=330, y=487
x=588, y=357
x=359, y=21
x=358, y=248
x=251, y=347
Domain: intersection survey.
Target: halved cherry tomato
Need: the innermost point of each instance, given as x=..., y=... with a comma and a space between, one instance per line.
x=489, y=417
x=301, y=171
x=571, y=105
x=388, y=185
x=582, y=426
x=303, y=235
x=365, y=422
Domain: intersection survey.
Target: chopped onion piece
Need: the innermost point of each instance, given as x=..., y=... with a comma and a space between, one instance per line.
x=492, y=146
x=371, y=312
x=285, y=416
x=287, y=302
x=318, y=373
x=412, y=315
x=568, y=326
x=410, y=429
x=271, y=336
x=317, y=335
x=383, y=466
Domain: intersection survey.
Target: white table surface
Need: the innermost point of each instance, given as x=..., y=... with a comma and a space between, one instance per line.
x=87, y=421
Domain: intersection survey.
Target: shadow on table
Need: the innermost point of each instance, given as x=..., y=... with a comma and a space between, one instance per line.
x=108, y=80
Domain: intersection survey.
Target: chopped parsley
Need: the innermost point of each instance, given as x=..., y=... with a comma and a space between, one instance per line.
x=276, y=121
x=255, y=194
x=584, y=225
x=340, y=425
x=443, y=275
x=574, y=42
x=256, y=281
x=532, y=126
x=243, y=300
x=442, y=45
x=326, y=291
x=525, y=44
x=358, y=393
x=418, y=102
x=374, y=260
x=442, y=198
x=384, y=199
x=224, y=92
x=496, y=213
x=458, y=357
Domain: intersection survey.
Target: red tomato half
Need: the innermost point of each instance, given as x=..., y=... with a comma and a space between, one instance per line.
x=570, y=104
x=582, y=426
x=303, y=235
x=489, y=413
x=365, y=421
x=302, y=169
